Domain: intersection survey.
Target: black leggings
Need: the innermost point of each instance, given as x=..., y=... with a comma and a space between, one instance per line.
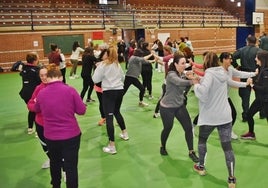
x=31, y=116
x=88, y=84
x=99, y=95
x=42, y=139
x=112, y=100
x=158, y=103
x=147, y=80
x=63, y=72
x=182, y=115
x=255, y=107
x=131, y=80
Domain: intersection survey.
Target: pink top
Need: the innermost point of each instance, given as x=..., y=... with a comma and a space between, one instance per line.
x=198, y=66
x=58, y=104
x=32, y=101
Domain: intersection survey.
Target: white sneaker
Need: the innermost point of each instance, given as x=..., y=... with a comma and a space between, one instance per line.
x=64, y=176
x=46, y=164
x=156, y=115
x=72, y=77
x=234, y=136
x=30, y=131
x=109, y=149
x=143, y=104
x=76, y=76
x=124, y=136
x=150, y=97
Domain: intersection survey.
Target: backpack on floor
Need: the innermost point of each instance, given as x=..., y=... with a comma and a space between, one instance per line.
x=16, y=66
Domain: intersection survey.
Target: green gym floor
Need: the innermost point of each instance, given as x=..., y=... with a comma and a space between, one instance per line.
x=138, y=162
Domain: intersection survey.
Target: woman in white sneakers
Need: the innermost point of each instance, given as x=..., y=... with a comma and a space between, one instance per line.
x=111, y=76
x=76, y=51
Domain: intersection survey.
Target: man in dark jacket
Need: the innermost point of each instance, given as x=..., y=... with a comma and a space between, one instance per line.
x=264, y=41
x=247, y=55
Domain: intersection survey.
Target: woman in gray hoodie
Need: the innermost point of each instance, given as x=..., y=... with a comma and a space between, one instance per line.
x=214, y=112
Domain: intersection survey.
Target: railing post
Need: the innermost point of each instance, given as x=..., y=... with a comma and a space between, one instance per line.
x=221, y=22
x=203, y=20
x=103, y=19
x=32, y=23
x=133, y=18
x=159, y=19
x=182, y=19
x=70, y=20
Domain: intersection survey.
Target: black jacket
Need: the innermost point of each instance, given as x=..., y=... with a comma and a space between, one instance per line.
x=261, y=86
x=30, y=79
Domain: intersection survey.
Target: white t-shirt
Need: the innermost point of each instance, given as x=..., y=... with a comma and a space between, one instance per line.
x=76, y=53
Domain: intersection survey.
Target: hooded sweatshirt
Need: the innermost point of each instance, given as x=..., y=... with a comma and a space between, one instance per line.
x=111, y=76
x=212, y=93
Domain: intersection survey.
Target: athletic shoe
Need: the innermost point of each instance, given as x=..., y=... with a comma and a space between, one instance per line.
x=76, y=76
x=90, y=100
x=231, y=182
x=150, y=97
x=46, y=164
x=163, y=151
x=71, y=77
x=194, y=157
x=143, y=104
x=234, y=136
x=109, y=149
x=124, y=136
x=30, y=131
x=200, y=169
x=102, y=121
x=156, y=115
x=248, y=136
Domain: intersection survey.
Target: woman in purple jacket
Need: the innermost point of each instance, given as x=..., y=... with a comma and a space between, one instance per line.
x=61, y=128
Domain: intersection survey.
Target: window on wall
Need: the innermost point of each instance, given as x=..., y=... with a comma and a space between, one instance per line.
x=103, y=2
x=109, y=2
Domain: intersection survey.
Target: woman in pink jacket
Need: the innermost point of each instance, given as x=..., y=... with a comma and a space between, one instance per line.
x=59, y=103
x=38, y=117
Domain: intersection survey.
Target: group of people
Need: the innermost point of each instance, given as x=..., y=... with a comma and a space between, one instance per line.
x=58, y=129
x=56, y=125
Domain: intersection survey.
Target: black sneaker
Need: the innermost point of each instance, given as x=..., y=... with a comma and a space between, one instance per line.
x=90, y=100
x=194, y=157
x=163, y=151
x=231, y=182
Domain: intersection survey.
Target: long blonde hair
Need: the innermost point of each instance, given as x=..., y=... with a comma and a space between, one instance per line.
x=112, y=55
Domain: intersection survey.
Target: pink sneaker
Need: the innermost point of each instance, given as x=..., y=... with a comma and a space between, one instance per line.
x=248, y=136
x=200, y=170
